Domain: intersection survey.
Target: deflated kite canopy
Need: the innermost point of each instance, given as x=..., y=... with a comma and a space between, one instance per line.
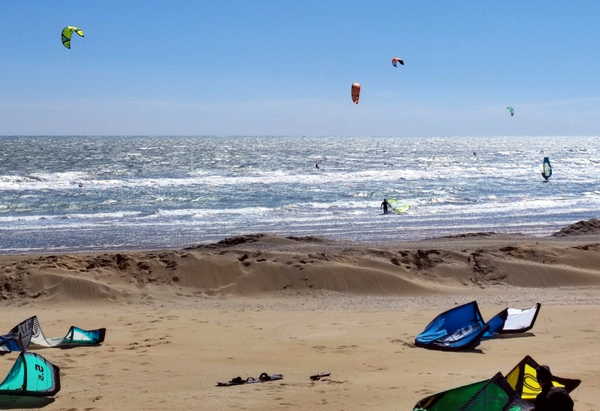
x=512, y=321
x=19, y=337
x=460, y=328
x=488, y=395
x=31, y=375
x=523, y=379
x=67, y=34
x=29, y=333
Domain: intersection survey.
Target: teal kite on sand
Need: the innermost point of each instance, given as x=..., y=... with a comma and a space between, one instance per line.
x=29, y=332
x=32, y=375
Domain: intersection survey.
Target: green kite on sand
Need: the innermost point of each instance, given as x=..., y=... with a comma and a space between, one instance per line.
x=515, y=392
x=488, y=395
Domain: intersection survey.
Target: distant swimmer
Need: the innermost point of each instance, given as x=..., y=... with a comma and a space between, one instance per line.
x=385, y=206
x=474, y=154
x=317, y=165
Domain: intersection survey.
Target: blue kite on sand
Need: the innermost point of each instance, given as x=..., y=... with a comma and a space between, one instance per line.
x=463, y=327
x=456, y=329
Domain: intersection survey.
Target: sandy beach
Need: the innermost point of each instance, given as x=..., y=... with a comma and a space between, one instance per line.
x=178, y=321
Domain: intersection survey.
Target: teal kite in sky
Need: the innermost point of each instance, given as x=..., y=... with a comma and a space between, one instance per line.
x=511, y=110
x=67, y=33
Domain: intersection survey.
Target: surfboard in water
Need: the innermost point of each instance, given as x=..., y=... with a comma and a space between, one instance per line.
x=546, y=169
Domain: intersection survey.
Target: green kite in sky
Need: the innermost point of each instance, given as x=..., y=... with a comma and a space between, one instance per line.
x=67, y=33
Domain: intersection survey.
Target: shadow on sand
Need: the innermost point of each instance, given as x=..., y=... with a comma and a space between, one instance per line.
x=11, y=402
x=510, y=336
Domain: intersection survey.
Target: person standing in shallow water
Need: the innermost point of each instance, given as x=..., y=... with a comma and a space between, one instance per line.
x=385, y=206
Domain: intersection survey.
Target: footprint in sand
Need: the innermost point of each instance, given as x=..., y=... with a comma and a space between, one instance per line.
x=402, y=342
x=345, y=347
x=148, y=343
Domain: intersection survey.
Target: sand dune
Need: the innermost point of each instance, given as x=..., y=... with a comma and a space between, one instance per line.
x=254, y=265
x=584, y=227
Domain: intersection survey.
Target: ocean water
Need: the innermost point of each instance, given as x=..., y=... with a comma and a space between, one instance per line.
x=86, y=193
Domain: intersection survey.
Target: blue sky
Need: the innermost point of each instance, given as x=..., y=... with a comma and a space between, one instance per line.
x=285, y=67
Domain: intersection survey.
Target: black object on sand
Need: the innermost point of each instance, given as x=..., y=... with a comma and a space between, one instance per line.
x=264, y=377
x=320, y=375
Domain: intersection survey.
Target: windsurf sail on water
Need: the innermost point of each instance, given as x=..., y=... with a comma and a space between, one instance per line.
x=29, y=333
x=31, y=375
x=546, y=169
x=397, y=207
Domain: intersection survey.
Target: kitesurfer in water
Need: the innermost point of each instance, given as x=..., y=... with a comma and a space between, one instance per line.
x=385, y=206
x=551, y=398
